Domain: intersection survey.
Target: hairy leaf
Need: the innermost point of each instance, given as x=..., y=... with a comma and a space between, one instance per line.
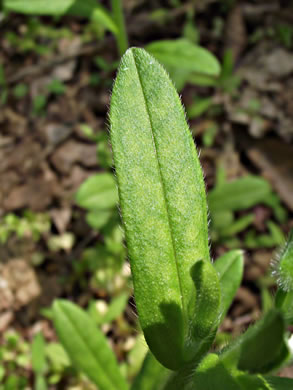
x=87, y=346
x=284, y=266
x=163, y=203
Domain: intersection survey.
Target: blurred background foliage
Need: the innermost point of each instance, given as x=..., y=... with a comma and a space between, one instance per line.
x=60, y=229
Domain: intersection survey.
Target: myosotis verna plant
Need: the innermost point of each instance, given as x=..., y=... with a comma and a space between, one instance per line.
x=181, y=296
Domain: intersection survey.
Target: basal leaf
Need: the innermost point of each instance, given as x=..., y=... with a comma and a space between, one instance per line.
x=98, y=192
x=230, y=270
x=162, y=198
x=87, y=346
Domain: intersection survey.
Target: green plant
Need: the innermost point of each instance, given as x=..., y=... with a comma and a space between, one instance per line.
x=226, y=198
x=196, y=62
x=29, y=224
x=181, y=296
x=112, y=21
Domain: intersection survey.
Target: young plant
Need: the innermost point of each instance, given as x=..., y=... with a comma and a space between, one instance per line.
x=181, y=296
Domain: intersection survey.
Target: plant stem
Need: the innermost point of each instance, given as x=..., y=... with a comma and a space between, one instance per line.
x=122, y=39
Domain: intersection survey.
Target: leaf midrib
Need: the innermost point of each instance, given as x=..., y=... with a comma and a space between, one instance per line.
x=163, y=186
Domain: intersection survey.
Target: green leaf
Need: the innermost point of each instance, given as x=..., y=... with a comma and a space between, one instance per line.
x=98, y=218
x=284, y=302
x=100, y=15
x=230, y=270
x=212, y=372
x=253, y=382
x=238, y=226
x=152, y=375
x=114, y=310
x=222, y=219
x=194, y=60
x=53, y=7
x=40, y=383
x=163, y=203
x=98, y=192
x=38, y=354
x=87, y=346
x=81, y=8
x=183, y=54
x=199, y=107
x=277, y=383
x=259, y=349
x=239, y=194
x=284, y=267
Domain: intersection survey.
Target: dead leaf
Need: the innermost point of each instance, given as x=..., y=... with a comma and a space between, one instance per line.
x=74, y=152
x=19, y=284
x=274, y=158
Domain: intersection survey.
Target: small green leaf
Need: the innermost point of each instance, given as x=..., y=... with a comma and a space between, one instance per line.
x=38, y=354
x=57, y=356
x=206, y=314
x=100, y=15
x=198, y=107
x=98, y=218
x=259, y=349
x=163, y=204
x=87, y=346
x=238, y=226
x=40, y=383
x=183, y=54
x=239, y=194
x=114, y=310
x=98, y=192
x=194, y=60
x=230, y=270
x=152, y=375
